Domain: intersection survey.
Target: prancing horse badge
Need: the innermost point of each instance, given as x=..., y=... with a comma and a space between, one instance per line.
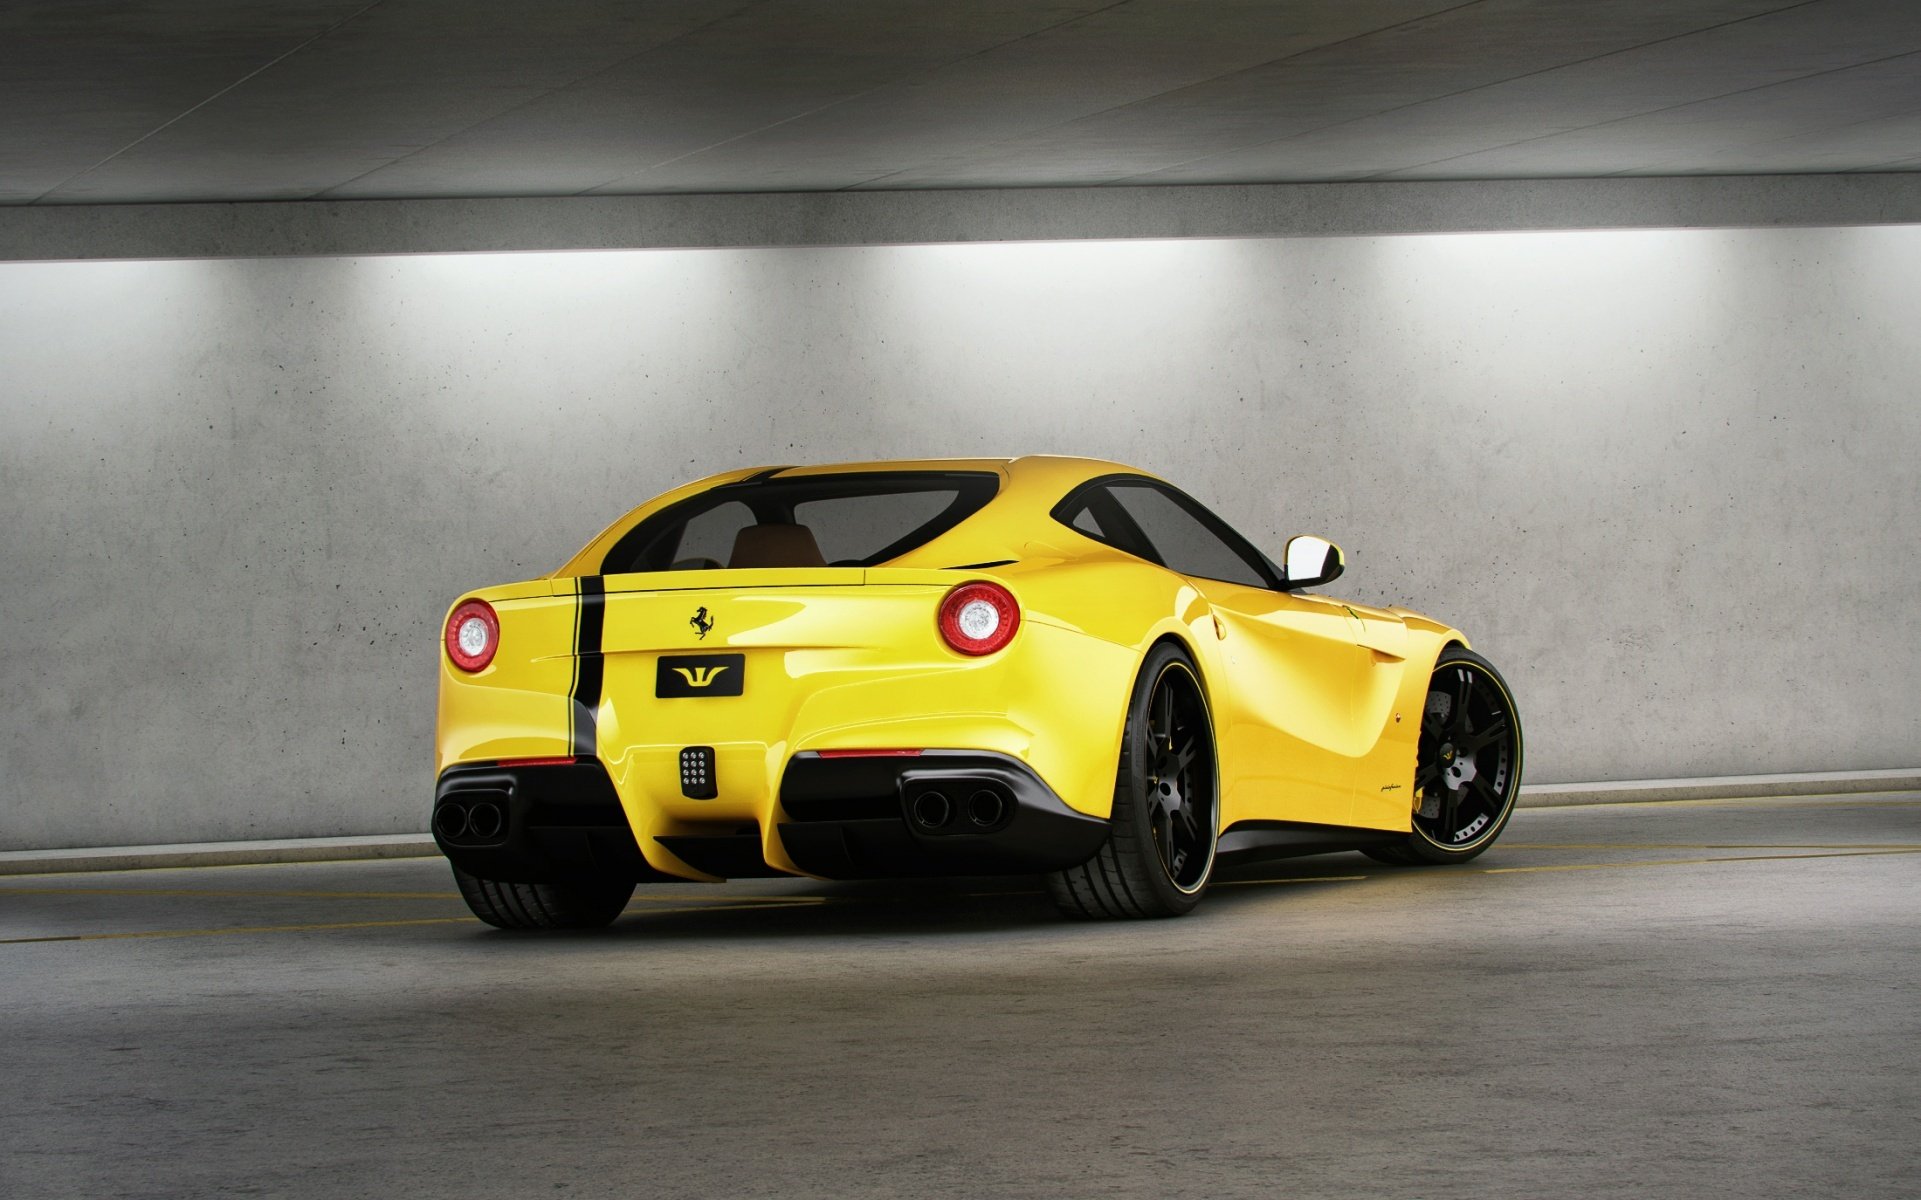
x=701, y=622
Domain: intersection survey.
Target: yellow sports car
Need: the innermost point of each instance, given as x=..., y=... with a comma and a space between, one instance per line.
x=1050, y=666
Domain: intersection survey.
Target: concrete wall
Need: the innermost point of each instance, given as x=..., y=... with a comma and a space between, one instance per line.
x=1665, y=478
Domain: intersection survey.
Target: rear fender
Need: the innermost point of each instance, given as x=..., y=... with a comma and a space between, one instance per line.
x=518, y=705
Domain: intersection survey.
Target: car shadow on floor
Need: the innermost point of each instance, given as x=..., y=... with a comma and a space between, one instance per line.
x=994, y=904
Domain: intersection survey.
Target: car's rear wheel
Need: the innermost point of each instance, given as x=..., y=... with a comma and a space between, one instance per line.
x=587, y=904
x=1467, y=768
x=1159, y=854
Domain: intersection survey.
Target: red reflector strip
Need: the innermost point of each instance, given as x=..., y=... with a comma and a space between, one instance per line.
x=868, y=753
x=564, y=760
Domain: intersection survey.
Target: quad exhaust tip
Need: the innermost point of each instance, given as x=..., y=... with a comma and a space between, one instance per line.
x=450, y=821
x=985, y=808
x=470, y=822
x=974, y=806
x=931, y=811
x=485, y=821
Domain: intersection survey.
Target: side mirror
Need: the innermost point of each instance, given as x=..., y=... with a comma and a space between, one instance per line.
x=1312, y=561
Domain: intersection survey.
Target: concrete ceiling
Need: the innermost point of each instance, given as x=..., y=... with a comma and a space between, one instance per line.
x=106, y=102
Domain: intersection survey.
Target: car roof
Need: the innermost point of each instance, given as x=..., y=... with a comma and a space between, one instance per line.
x=1031, y=485
x=1033, y=469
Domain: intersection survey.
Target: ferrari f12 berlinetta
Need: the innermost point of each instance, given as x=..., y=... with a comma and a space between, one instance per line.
x=1049, y=666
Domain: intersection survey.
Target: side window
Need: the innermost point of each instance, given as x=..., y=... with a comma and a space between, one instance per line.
x=707, y=541
x=1184, y=541
x=1102, y=519
x=852, y=529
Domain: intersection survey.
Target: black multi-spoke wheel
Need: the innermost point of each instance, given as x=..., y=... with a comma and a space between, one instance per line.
x=1160, y=846
x=1467, y=768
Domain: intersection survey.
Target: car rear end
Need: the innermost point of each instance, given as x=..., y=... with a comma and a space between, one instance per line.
x=775, y=710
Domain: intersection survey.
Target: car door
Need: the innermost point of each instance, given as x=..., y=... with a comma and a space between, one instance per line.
x=1285, y=714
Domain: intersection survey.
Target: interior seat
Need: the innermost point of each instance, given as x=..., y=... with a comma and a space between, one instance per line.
x=775, y=546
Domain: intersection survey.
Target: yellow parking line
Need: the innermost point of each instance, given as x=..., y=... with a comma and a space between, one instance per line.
x=674, y=905
x=176, y=933
x=1314, y=879
x=245, y=893
x=329, y=925
x=783, y=899
x=1217, y=883
x=1687, y=862
x=228, y=893
x=707, y=908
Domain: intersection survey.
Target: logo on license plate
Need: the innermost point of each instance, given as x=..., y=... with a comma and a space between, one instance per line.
x=693, y=675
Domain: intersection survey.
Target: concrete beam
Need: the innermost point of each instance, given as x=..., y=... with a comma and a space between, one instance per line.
x=371, y=227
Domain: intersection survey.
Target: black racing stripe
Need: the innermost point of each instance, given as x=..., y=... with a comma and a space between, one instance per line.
x=588, y=664
x=769, y=473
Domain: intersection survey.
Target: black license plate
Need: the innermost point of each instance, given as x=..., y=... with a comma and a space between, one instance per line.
x=695, y=675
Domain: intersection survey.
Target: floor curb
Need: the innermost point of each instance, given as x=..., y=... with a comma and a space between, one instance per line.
x=1721, y=787
x=421, y=845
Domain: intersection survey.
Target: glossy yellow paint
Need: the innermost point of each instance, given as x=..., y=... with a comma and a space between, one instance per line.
x=517, y=706
x=1316, y=702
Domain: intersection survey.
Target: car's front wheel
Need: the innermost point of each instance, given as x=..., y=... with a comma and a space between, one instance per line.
x=1467, y=767
x=1159, y=854
x=587, y=904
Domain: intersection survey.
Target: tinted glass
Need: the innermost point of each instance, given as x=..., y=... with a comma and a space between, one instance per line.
x=858, y=519
x=851, y=528
x=1182, y=540
x=708, y=539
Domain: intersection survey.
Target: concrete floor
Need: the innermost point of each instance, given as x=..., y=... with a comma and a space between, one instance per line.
x=1711, y=999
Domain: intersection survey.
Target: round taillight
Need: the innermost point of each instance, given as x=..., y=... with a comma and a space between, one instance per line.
x=473, y=634
x=979, y=617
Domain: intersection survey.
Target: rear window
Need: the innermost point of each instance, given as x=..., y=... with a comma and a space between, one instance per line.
x=857, y=519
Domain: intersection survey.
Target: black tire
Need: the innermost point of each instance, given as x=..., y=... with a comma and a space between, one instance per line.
x=1467, y=769
x=590, y=904
x=1159, y=855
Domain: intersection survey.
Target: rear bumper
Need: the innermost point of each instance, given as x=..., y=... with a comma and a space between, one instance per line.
x=535, y=824
x=940, y=812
